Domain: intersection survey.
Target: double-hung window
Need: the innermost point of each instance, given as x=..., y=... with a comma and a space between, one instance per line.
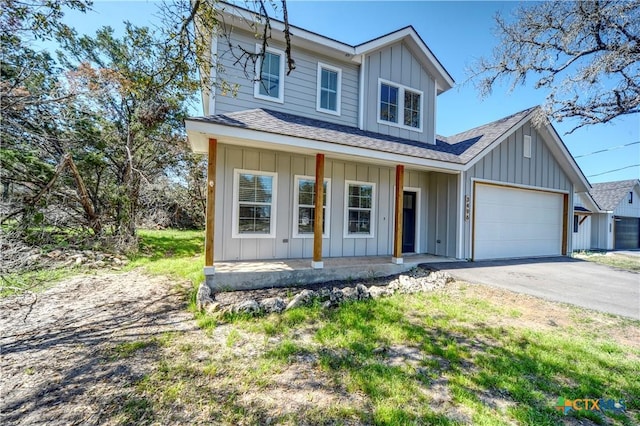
x=269, y=84
x=399, y=105
x=359, y=212
x=329, y=87
x=254, y=201
x=304, y=204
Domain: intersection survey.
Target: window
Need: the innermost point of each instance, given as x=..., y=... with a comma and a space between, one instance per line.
x=527, y=146
x=270, y=85
x=329, y=85
x=304, y=202
x=399, y=106
x=630, y=199
x=576, y=223
x=254, y=204
x=388, y=103
x=359, y=203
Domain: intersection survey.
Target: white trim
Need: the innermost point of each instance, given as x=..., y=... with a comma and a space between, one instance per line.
x=209, y=270
x=234, y=209
x=517, y=185
x=418, y=192
x=361, y=94
x=345, y=225
x=337, y=70
x=401, y=90
x=397, y=260
x=199, y=131
x=257, y=82
x=214, y=72
x=317, y=265
x=296, y=208
x=461, y=214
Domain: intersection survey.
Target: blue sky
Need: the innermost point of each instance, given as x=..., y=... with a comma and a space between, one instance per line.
x=457, y=33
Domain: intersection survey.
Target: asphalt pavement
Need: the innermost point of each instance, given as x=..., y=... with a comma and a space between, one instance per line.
x=560, y=279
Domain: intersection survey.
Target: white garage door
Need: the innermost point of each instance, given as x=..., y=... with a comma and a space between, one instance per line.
x=512, y=222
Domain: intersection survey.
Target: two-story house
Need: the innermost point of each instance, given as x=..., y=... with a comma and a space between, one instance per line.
x=362, y=119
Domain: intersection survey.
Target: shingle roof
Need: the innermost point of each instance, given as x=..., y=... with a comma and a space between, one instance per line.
x=460, y=148
x=609, y=194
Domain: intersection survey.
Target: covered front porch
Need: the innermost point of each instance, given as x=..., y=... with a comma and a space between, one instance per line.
x=246, y=275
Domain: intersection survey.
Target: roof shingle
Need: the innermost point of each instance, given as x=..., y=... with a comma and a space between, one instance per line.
x=460, y=148
x=609, y=194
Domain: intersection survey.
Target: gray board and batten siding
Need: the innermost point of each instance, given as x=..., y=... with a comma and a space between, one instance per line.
x=397, y=64
x=506, y=164
x=299, y=87
x=435, y=189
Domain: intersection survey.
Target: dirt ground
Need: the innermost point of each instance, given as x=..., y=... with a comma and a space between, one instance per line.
x=60, y=362
x=56, y=366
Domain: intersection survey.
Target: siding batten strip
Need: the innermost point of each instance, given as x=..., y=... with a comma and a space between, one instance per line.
x=211, y=205
x=317, y=216
x=397, y=233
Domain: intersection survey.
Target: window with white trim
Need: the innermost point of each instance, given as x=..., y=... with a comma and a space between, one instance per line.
x=399, y=105
x=329, y=87
x=304, y=207
x=359, y=210
x=254, y=198
x=270, y=72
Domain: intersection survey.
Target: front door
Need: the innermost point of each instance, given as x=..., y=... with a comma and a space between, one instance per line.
x=409, y=222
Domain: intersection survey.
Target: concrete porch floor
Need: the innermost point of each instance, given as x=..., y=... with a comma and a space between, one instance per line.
x=246, y=275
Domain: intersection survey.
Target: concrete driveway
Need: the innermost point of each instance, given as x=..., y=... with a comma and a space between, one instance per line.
x=559, y=279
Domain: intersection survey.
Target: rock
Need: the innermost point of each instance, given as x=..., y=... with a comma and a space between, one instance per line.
x=203, y=296
x=79, y=260
x=348, y=293
x=377, y=292
x=337, y=296
x=362, y=292
x=247, y=307
x=323, y=294
x=54, y=254
x=273, y=304
x=116, y=261
x=99, y=256
x=301, y=299
x=99, y=264
x=212, y=307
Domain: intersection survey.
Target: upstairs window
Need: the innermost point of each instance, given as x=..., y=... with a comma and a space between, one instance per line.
x=304, y=199
x=630, y=198
x=399, y=106
x=254, y=204
x=270, y=69
x=329, y=85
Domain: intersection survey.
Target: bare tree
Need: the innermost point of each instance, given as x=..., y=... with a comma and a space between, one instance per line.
x=191, y=24
x=585, y=53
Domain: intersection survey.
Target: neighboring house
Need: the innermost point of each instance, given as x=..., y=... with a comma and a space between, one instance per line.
x=617, y=224
x=586, y=216
x=363, y=117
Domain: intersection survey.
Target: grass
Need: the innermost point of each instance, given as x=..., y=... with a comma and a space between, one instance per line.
x=179, y=254
x=616, y=260
x=443, y=358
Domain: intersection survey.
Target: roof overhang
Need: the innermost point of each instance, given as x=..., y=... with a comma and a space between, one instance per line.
x=199, y=133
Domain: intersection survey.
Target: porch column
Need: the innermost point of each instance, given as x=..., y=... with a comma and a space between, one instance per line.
x=317, y=216
x=397, y=229
x=209, y=268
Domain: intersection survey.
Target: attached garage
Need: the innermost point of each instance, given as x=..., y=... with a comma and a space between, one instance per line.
x=627, y=233
x=512, y=222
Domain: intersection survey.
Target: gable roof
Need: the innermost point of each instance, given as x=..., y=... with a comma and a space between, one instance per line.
x=609, y=194
x=472, y=142
x=329, y=46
